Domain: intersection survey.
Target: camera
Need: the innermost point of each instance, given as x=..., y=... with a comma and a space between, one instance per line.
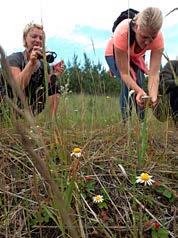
x=50, y=56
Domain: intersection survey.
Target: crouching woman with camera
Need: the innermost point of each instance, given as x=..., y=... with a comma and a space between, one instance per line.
x=28, y=70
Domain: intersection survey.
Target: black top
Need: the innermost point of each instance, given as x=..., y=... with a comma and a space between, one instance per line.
x=35, y=91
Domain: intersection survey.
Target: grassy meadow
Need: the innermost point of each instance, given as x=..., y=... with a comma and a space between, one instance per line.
x=46, y=192
x=77, y=175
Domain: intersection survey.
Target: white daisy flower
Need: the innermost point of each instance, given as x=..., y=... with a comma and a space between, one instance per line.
x=145, y=178
x=98, y=199
x=76, y=152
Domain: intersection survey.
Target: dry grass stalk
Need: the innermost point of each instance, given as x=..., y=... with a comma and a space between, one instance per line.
x=41, y=166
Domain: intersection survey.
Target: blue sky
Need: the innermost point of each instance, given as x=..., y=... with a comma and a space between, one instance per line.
x=69, y=47
x=74, y=27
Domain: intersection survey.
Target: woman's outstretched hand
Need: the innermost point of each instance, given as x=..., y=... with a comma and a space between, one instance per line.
x=139, y=98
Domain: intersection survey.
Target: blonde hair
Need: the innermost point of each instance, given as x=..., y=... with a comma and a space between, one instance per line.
x=150, y=19
x=27, y=28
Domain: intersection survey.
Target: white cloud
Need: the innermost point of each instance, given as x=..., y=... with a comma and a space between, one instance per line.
x=61, y=17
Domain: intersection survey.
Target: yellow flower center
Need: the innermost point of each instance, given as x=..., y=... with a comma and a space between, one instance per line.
x=77, y=150
x=98, y=198
x=145, y=176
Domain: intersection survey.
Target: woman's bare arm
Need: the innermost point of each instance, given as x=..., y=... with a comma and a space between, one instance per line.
x=124, y=68
x=153, y=74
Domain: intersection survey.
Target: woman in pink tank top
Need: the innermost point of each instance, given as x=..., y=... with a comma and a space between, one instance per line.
x=129, y=60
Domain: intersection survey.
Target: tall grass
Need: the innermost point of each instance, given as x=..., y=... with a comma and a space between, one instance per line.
x=88, y=112
x=44, y=192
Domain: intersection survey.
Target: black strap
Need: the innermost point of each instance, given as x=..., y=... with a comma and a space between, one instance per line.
x=131, y=36
x=132, y=33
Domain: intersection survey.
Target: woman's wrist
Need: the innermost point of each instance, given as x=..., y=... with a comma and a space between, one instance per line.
x=32, y=66
x=140, y=91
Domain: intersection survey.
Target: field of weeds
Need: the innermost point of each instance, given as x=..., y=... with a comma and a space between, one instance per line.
x=48, y=191
x=85, y=173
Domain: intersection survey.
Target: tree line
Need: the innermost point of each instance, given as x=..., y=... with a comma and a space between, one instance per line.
x=89, y=78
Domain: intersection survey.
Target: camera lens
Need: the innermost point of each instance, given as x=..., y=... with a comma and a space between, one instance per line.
x=49, y=58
